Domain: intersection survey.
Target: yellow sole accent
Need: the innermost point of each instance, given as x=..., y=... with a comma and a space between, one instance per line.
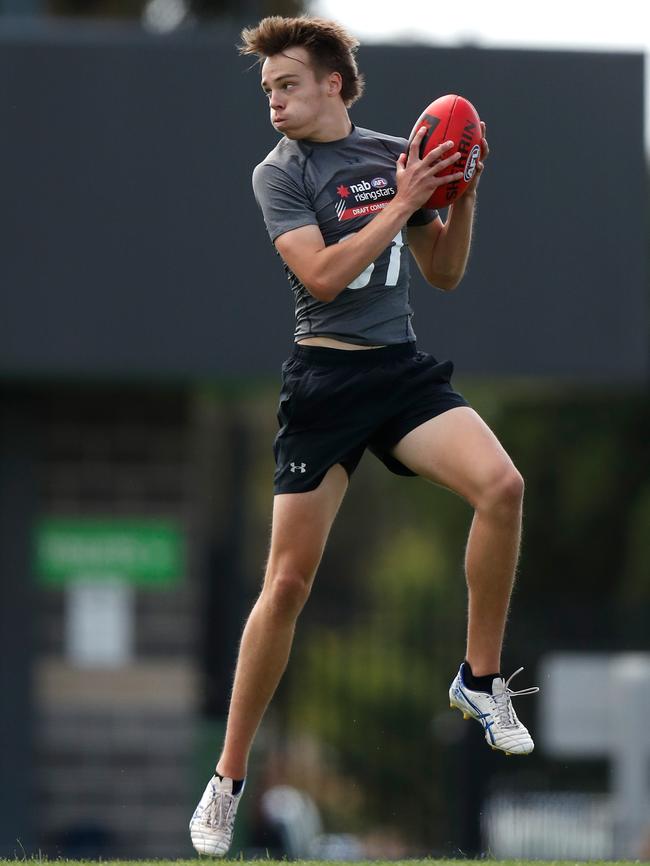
x=465, y=715
x=497, y=749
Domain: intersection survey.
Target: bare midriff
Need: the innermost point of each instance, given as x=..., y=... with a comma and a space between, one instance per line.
x=330, y=343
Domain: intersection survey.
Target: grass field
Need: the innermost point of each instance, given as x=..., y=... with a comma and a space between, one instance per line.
x=329, y=862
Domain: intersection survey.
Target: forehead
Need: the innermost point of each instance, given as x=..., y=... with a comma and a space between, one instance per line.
x=294, y=61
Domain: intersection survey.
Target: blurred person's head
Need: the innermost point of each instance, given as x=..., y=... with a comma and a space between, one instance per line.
x=309, y=72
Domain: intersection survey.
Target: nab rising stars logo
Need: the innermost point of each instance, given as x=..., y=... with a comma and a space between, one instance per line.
x=362, y=198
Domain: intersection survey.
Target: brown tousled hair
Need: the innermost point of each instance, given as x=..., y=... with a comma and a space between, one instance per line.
x=330, y=46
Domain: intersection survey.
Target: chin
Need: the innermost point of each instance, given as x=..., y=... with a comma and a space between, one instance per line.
x=290, y=129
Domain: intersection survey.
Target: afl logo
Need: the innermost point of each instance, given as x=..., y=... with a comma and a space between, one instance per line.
x=378, y=182
x=472, y=159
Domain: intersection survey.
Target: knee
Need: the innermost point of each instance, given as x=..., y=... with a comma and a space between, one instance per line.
x=285, y=592
x=505, y=491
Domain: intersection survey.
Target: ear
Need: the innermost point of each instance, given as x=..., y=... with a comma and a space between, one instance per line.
x=334, y=83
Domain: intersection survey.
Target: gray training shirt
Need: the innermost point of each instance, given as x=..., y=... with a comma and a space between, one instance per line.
x=339, y=186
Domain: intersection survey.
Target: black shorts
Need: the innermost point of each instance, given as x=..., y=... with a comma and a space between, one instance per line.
x=335, y=403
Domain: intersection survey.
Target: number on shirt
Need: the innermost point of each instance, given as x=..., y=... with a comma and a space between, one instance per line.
x=394, y=263
x=395, y=260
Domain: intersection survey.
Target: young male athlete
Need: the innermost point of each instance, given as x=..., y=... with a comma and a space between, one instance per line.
x=341, y=205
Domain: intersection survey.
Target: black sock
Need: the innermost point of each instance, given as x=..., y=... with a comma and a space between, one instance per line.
x=237, y=784
x=477, y=684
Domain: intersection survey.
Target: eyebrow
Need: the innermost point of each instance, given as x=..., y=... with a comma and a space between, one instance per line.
x=264, y=83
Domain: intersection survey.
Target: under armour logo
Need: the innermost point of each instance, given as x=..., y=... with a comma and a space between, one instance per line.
x=300, y=467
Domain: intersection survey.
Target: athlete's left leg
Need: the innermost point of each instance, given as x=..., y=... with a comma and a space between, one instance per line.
x=458, y=450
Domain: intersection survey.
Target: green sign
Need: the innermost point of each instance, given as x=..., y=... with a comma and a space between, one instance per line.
x=142, y=552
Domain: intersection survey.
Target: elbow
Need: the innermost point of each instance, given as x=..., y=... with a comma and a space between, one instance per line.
x=323, y=289
x=445, y=282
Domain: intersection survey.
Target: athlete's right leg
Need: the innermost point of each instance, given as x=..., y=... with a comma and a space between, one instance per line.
x=301, y=525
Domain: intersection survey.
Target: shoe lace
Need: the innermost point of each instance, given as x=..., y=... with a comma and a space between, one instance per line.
x=503, y=704
x=220, y=812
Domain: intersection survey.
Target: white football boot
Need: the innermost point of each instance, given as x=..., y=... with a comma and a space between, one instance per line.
x=495, y=712
x=213, y=821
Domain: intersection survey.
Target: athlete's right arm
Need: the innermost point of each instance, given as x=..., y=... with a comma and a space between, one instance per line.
x=326, y=271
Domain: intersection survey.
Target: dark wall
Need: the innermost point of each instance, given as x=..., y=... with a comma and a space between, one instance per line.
x=18, y=504
x=132, y=244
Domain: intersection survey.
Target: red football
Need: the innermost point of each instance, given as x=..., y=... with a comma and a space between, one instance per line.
x=451, y=118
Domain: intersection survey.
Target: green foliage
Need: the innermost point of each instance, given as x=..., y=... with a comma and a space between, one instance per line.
x=371, y=689
x=586, y=462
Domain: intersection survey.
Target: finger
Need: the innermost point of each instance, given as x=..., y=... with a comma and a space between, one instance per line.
x=401, y=161
x=438, y=152
x=414, y=146
x=450, y=178
x=483, y=128
x=442, y=164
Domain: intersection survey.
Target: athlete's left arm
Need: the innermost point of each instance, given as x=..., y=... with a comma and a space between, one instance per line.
x=441, y=249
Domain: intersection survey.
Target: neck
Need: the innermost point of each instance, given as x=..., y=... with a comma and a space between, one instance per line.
x=332, y=128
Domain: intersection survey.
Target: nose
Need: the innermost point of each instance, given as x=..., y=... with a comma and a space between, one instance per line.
x=276, y=100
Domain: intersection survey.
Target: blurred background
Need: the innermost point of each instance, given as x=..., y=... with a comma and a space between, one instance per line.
x=143, y=321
